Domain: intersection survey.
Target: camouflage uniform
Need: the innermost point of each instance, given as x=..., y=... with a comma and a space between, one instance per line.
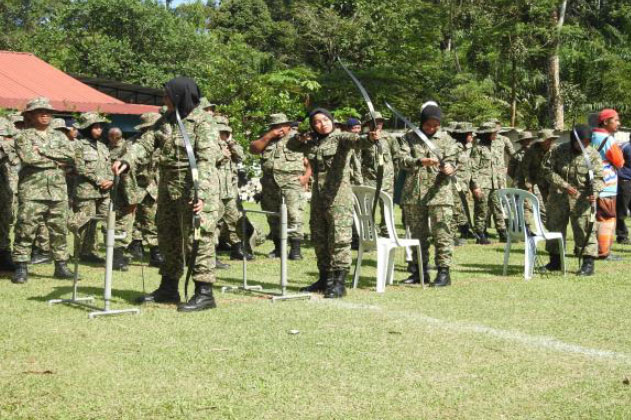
x=488, y=174
x=125, y=201
x=566, y=167
x=42, y=191
x=93, y=167
x=174, y=214
x=427, y=196
x=9, y=165
x=459, y=220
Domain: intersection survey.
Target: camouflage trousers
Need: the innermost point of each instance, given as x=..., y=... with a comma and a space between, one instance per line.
x=528, y=215
x=6, y=214
x=459, y=217
x=331, y=233
x=485, y=207
x=175, y=238
x=145, y=229
x=435, y=221
x=229, y=227
x=30, y=214
x=288, y=186
x=84, y=211
x=124, y=226
x=561, y=210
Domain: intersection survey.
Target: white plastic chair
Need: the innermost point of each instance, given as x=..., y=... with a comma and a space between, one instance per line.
x=363, y=198
x=512, y=201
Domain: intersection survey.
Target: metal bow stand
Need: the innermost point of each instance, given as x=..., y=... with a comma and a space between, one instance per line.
x=109, y=259
x=282, y=214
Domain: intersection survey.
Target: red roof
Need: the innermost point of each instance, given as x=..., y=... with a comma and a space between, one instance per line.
x=23, y=76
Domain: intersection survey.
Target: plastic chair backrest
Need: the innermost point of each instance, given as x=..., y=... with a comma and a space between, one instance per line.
x=513, y=201
x=363, y=199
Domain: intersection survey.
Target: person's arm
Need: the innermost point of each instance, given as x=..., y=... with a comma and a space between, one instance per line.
x=548, y=167
x=614, y=154
x=304, y=178
x=236, y=151
x=258, y=146
x=29, y=154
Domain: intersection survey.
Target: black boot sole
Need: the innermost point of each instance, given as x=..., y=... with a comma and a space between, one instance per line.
x=204, y=307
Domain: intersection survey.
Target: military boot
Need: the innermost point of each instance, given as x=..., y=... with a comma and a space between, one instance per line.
x=91, y=258
x=155, y=257
x=39, y=256
x=6, y=262
x=20, y=275
x=555, y=263
x=502, y=235
x=482, y=239
x=465, y=231
x=165, y=293
x=587, y=268
x=135, y=249
x=319, y=286
x=336, y=284
x=62, y=271
x=276, y=252
x=294, y=252
x=414, y=275
x=119, y=262
x=442, y=278
x=238, y=252
x=202, y=299
x=221, y=265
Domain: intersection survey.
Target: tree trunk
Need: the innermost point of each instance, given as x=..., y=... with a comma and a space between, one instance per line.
x=513, y=94
x=555, y=101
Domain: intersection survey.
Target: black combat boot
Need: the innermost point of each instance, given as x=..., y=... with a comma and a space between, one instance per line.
x=238, y=252
x=165, y=293
x=414, y=276
x=319, y=286
x=202, y=299
x=482, y=239
x=221, y=265
x=135, y=249
x=119, y=262
x=39, y=256
x=442, y=278
x=335, y=284
x=294, y=252
x=223, y=246
x=276, y=252
x=555, y=263
x=502, y=235
x=587, y=268
x=20, y=275
x=465, y=232
x=62, y=271
x=155, y=257
x=6, y=262
x=91, y=258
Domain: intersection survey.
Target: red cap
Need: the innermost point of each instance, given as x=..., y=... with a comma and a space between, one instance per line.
x=607, y=113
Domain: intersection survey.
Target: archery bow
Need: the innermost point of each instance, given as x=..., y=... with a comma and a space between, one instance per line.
x=371, y=111
x=196, y=222
x=590, y=176
x=436, y=152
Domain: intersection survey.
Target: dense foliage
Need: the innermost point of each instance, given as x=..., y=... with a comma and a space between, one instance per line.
x=480, y=59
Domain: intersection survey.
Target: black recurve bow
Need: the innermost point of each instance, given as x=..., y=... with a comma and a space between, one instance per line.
x=196, y=222
x=437, y=153
x=371, y=110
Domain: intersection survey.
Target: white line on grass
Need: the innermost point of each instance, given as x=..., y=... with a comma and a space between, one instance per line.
x=516, y=336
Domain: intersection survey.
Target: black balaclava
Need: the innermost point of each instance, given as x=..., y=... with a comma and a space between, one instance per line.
x=431, y=110
x=184, y=93
x=316, y=112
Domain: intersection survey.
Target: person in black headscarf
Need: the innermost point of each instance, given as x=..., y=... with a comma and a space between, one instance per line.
x=176, y=192
x=329, y=152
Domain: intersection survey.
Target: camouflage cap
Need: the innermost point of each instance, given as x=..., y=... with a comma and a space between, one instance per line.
x=58, y=123
x=40, y=102
x=525, y=135
x=223, y=127
x=545, y=134
x=16, y=117
x=487, y=127
x=7, y=128
x=368, y=118
x=147, y=120
x=277, y=119
x=460, y=127
x=222, y=120
x=87, y=119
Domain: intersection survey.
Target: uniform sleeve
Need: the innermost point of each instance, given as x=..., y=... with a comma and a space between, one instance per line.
x=84, y=168
x=140, y=153
x=548, y=167
x=237, y=151
x=508, y=146
x=597, y=165
x=61, y=149
x=406, y=160
x=394, y=152
x=27, y=154
x=207, y=154
x=475, y=167
x=528, y=180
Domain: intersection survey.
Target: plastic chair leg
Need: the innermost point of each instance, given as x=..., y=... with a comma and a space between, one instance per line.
x=506, y=255
x=529, y=263
x=358, y=265
x=419, y=258
x=382, y=264
x=390, y=267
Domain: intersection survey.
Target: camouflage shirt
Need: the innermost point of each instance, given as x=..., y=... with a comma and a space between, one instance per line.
x=488, y=165
x=227, y=167
x=423, y=184
x=463, y=162
x=565, y=167
x=93, y=166
x=42, y=176
x=514, y=163
x=390, y=161
x=145, y=173
x=284, y=155
x=530, y=171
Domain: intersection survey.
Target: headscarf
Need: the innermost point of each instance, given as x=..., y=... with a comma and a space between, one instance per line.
x=184, y=93
x=430, y=110
x=316, y=112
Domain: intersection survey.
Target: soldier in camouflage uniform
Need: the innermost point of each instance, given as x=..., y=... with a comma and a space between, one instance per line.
x=489, y=175
x=42, y=190
x=354, y=126
x=369, y=161
x=176, y=193
x=427, y=196
x=509, y=149
x=329, y=153
x=146, y=180
x=524, y=139
x=462, y=132
x=94, y=180
x=284, y=175
x=530, y=175
x=570, y=198
x=8, y=161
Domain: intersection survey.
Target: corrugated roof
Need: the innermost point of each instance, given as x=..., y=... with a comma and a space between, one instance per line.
x=24, y=76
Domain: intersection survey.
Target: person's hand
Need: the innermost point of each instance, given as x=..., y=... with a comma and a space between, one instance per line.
x=118, y=167
x=448, y=169
x=592, y=198
x=198, y=206
x=226, y=153
x=374, y=135
x=477, y=193
x=105, y=184
x=571, y=191
x=304, y=181
x=430, y=162
x=275, y=133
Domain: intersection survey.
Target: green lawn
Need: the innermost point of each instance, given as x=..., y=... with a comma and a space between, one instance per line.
x=486, y=347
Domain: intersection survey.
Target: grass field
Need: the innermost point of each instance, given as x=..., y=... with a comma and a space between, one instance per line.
x=487, y=347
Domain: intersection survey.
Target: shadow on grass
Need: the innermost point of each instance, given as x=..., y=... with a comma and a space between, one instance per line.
x=495, y=269
x=65, y=292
